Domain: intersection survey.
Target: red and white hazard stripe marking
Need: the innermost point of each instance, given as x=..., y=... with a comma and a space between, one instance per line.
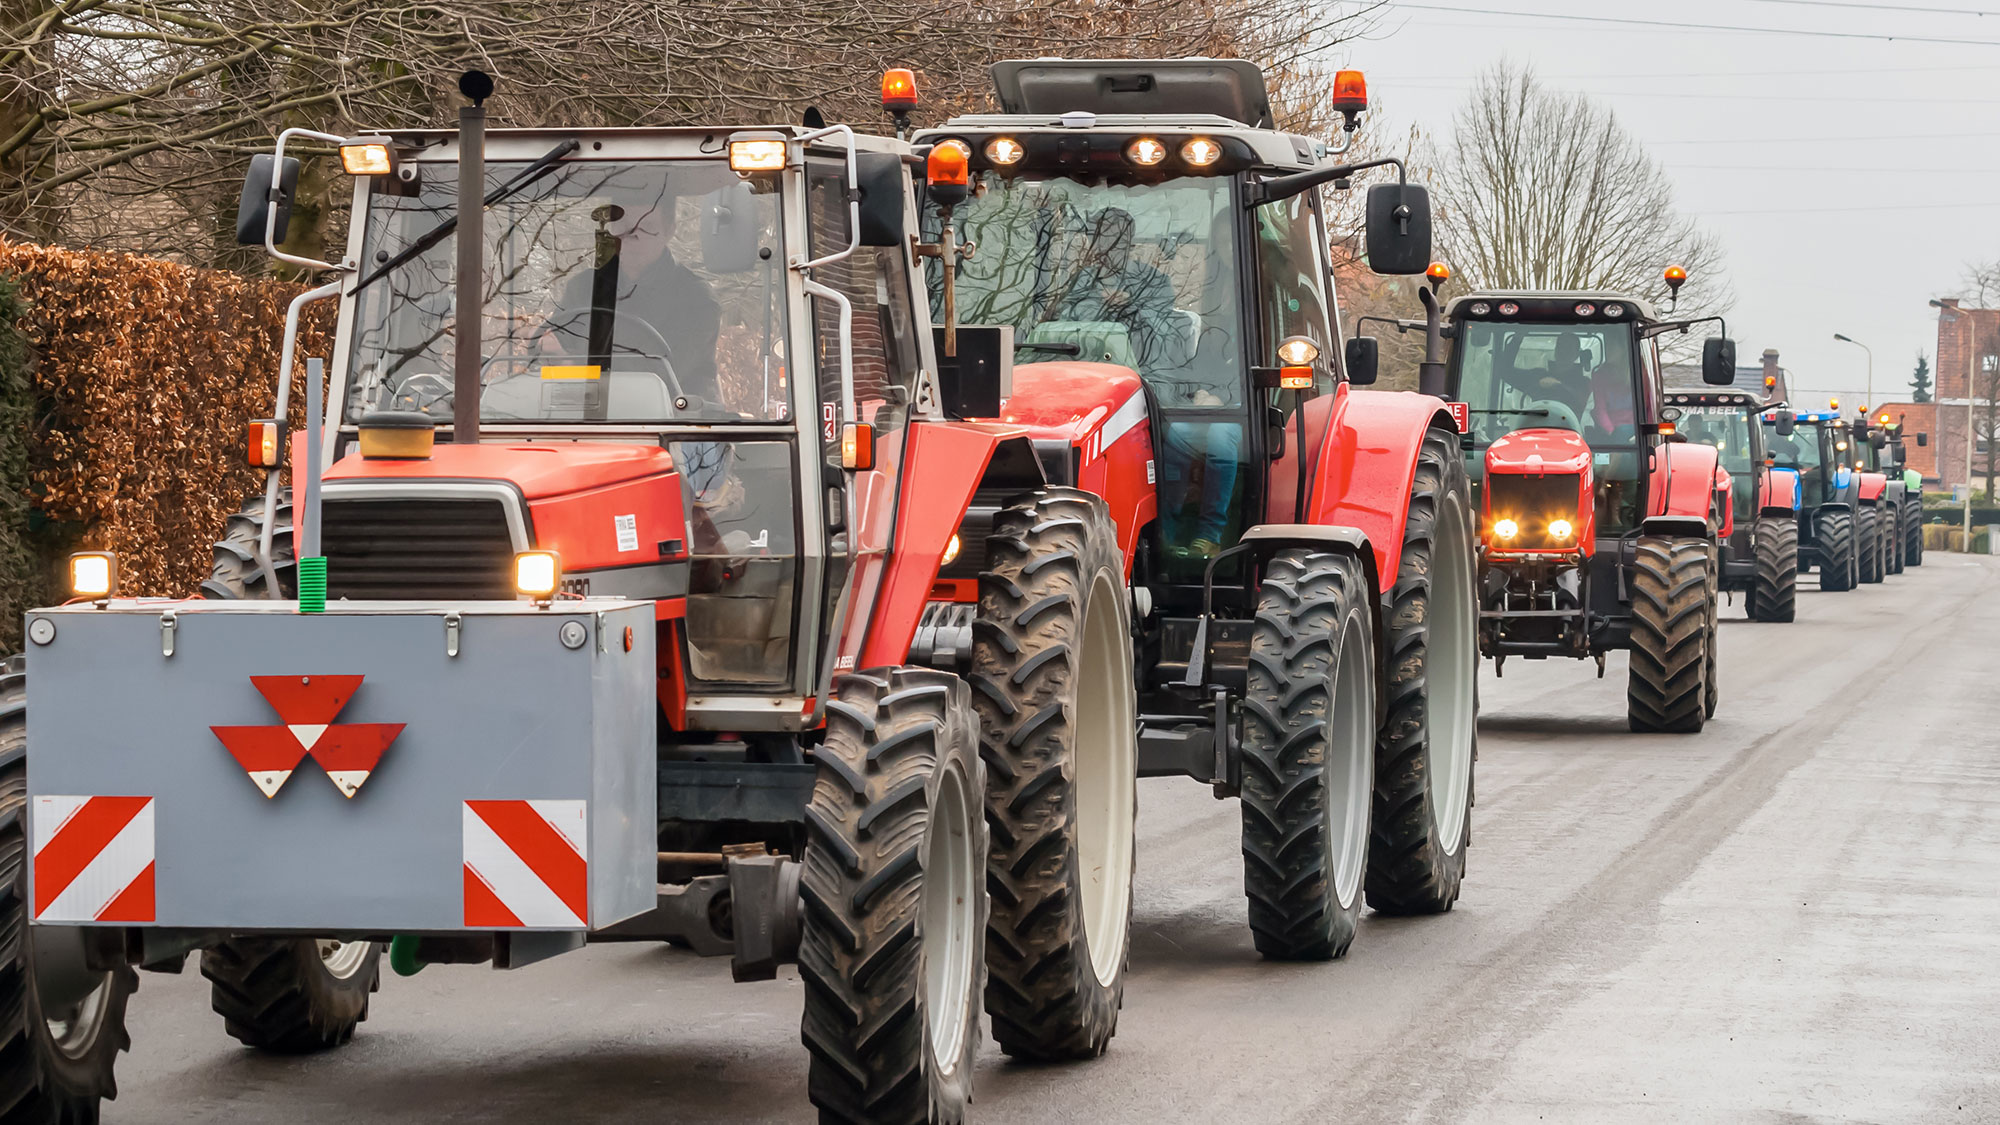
x=93, y=859
x=526, y=865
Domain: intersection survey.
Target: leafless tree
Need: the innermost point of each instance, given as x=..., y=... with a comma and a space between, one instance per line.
x=1541, y=189
x=1981, y=280
x=125, y=123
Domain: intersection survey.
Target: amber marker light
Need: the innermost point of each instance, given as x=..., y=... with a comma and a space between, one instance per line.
x=899, y=89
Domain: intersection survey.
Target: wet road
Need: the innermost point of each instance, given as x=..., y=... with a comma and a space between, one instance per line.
x=1793, y=917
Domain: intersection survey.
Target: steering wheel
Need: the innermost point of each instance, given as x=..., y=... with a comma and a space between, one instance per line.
x=425, y=389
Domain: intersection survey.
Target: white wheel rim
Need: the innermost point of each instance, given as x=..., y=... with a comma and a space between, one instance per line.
x=1350, y=765
x=74, y=1034
x=949, y=916
x=1107, y=770
x=342, y=959
x=1453, y=659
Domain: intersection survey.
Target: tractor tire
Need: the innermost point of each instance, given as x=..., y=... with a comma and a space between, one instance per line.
x=1893, y=533
x=1711, y=681
x=1428, y=742
x=291, y=996
x=895, y=902
x=1868, y=545
x=1673, y=599
x=1774, y=594
x=234, y=574
x=1308, y=755
x=1837, y=564
x=59, y=1068
x=1913, y=532
x=1058, y=715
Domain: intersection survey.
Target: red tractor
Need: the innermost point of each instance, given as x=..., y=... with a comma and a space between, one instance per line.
x=1145, y=255
x=1760, y=552
x=1600, y=525
x=601, y=605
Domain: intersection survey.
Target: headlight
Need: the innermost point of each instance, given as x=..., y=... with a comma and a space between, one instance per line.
x=1200, y=152
x=950, y=552
x=537, y=574
x=93, y=574
x=758, y=152
x=367, y=159
x=1560, y=529
x=1004, y=151
x=1145, y=152
x=1506, y=529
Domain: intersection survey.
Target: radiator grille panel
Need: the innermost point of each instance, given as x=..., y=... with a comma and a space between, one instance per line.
x=418, y=548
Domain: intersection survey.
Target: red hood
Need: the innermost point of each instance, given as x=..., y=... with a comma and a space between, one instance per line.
x=538, y=469
x=1066, y=399
x=1537, y=452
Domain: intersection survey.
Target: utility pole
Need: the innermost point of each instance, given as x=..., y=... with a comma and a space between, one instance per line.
x=1871, y=366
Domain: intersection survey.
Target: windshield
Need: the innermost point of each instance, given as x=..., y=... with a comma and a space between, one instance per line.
x=615, y=292
x=1140, y=275
x=1575, y=377
x=1727, y=428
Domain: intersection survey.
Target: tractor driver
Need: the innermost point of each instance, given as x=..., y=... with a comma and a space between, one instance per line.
x=1110, y=286
x=648, y=302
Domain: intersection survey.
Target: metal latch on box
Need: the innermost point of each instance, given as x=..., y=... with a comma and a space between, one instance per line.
x=167, y=633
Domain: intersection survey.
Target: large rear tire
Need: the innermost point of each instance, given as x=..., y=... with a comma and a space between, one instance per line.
x=1308, y=755
x=234, y=575
x=1774, y=596
x=1892, y=518
x=1868, y=545
x=1711, y=679
x=1913, y=531
x=1425, y=750
x=1672, y=606
x=55, y=1067
x=1058, y=733
x=1837, y=564
x=291, y=996
x=895, y=902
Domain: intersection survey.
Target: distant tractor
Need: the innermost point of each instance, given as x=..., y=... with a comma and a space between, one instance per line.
x=1760, y=556
x=1151, y=268
x=1879, y=451
x=599, y=611
x=1836, y=530
x=1600, y=525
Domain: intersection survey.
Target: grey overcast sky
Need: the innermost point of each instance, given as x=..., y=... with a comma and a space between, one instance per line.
x=1851, y=179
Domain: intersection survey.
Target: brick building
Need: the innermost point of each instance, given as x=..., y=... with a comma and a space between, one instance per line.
x=1963, y=335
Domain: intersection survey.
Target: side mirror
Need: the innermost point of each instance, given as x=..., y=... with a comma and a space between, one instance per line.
x=1363, y=357
x=1718, y=361
x=1788, y=423
x=1923, y=439
x=729, y=241
x=1399, y=228
x=884, y=192
x=253, y=209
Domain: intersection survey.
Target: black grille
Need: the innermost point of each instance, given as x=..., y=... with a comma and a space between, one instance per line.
x=1532, y=503
x=409, y=548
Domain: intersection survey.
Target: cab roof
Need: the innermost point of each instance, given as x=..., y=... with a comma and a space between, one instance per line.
x=1550, y=300
x=1229, y=88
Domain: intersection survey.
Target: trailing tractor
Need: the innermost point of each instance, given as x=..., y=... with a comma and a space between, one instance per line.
x=1839, y=528
x=1145, y=255
x=1894, y=459
x=1879, y=452
x=1600, y=524
x=1760, y=555
x=597, y=612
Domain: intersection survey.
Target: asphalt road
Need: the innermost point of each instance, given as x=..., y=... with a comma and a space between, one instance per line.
x=1791, y=917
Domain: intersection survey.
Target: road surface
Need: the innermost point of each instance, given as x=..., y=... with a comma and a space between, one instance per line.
x=1792, y=917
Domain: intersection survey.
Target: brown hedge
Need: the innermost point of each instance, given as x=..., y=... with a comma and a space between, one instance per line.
x=143, y=376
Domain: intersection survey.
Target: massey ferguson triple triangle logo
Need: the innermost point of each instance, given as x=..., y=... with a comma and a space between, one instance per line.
x=306, y=707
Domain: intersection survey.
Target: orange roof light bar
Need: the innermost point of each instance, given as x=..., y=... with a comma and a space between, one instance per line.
x=899, y=89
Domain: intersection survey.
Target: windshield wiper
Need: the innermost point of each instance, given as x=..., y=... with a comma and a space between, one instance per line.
x=1524, y=413
x=1059, y=348
x=529, y=175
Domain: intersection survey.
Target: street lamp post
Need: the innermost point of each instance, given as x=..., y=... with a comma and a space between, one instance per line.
x=1871, y=366
x=1971, y=368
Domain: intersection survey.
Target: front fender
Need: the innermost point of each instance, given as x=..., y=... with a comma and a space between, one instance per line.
x=1361, y=461
x=943, y=464
x=1871, y=486
x=1778, y=493
x=1683, y=481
